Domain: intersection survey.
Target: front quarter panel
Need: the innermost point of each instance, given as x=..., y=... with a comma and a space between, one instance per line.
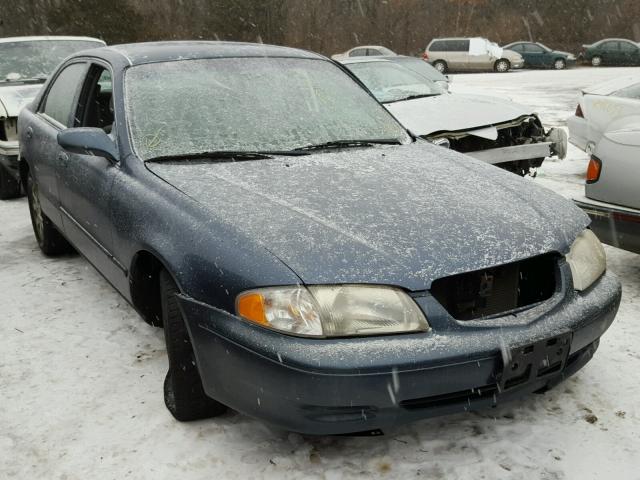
x=210, y=261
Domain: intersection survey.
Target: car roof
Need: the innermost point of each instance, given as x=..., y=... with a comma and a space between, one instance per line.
x=458, y=38
x=368, y=46
x=377, y=58
x=614, y=40
x=168, y=51
x=49, y=38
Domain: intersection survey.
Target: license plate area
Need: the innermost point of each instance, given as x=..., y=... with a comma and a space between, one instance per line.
x=535, y=360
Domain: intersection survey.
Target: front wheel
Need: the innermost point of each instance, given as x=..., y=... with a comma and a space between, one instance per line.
x=596, y=61
x=502, y=65
x=560, y=64
x=9, y=186
x=183, y=392
x=49, y=239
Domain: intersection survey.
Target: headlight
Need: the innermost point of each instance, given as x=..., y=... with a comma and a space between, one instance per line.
x=332, y=311
x=587, y=260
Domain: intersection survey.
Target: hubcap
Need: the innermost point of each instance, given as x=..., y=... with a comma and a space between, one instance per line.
x=38, y=220
x=559, y=65
x=596, y=61
x=440, y=67
x=502, y=66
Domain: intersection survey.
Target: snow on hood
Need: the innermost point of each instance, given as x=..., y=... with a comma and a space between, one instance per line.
x=14, y=98
x=390, y=215
x=454, y=112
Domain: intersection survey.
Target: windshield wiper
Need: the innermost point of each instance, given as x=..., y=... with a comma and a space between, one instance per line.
x=411, y=97
x=224, y=156
x=348, y=144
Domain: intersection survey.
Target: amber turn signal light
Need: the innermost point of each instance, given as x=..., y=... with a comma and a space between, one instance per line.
x=593, y=170
x=251, y=307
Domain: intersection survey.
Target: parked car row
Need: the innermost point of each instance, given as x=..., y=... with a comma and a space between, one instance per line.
x=607, y=126
x=462, y=54
x=313, y=262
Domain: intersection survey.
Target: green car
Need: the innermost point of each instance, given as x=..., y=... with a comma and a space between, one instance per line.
x=612, y=51
x=537, y=55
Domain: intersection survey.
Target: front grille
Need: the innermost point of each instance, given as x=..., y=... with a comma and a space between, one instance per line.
x=497, y=290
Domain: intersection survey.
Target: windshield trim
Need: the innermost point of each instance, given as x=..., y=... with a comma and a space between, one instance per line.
x=125, y=100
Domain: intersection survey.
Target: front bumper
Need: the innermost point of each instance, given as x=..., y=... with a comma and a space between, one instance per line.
x=334, y=386
x=614, y=225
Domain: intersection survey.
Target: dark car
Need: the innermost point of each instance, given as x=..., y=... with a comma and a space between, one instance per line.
x=537, y=55
x=312, y=263
x=611, y=51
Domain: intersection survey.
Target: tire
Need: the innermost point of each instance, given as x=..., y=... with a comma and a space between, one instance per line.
x=596, y=61
x=9, y=186
x=183, y=392
x=559, y=64
x=441, y=66
x=49, y=239
x=502, y=66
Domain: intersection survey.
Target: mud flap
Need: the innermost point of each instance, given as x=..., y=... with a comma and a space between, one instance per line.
x=535, y=361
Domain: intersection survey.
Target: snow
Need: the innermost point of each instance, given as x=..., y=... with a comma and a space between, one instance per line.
x=81, y=375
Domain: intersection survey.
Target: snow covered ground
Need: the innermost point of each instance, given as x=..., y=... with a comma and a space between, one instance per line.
x=81, y=376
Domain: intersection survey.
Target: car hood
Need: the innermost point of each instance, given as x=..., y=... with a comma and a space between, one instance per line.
x=454, y=112
x=14, y=98
x=399, y=215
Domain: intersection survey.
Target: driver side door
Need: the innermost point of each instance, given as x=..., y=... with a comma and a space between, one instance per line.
x=85, y=181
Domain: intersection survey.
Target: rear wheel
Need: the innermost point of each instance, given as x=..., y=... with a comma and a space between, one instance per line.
x=559, y=64
x=183, y=392
x=49, y=239
x=441, y=66
x=9, y=186
x=502, y=65
x=596, y=61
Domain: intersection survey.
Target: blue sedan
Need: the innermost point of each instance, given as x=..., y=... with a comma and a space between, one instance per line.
x=312, y=263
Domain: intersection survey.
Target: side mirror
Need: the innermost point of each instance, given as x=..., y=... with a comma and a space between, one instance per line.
x=89, y=141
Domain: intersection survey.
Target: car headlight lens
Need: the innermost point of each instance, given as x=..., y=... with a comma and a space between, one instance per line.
x=332, y=311
x=587, y=260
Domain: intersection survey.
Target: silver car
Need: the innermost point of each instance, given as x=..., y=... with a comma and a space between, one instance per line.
x=470, y=54
x=364, y=51
x=612, y=192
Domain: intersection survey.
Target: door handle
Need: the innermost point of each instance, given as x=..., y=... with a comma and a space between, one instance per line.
x=29, y=133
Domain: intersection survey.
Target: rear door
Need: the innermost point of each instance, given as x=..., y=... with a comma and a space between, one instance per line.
x=85, y=181
x=610, y=53
x=458, y=53
x=54, y=113
x=535, y=55
x=628, y=53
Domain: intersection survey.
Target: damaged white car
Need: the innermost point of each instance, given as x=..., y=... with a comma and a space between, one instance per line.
x=601, y=105
x=25, y=64
x=500, y=132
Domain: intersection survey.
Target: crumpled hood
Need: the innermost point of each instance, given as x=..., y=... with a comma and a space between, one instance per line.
x=398, y=215
x=454, y=112
x=14, y=98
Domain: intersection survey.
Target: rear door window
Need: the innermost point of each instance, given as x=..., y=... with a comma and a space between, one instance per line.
x=438, y=46
x=459, y=45
x=61, y=98
x=358, y=52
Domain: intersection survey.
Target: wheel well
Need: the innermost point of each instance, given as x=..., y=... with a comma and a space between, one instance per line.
x=144, y=280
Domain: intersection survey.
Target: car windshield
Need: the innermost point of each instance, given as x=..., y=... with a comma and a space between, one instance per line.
x=420, y=67
x=35, y=59
x=391, y=83
x=249, y=105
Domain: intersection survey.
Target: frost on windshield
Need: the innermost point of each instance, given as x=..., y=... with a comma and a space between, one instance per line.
x=248, y=104
x=34, y=60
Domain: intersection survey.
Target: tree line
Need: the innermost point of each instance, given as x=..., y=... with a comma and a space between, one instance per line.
x=327, y=26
